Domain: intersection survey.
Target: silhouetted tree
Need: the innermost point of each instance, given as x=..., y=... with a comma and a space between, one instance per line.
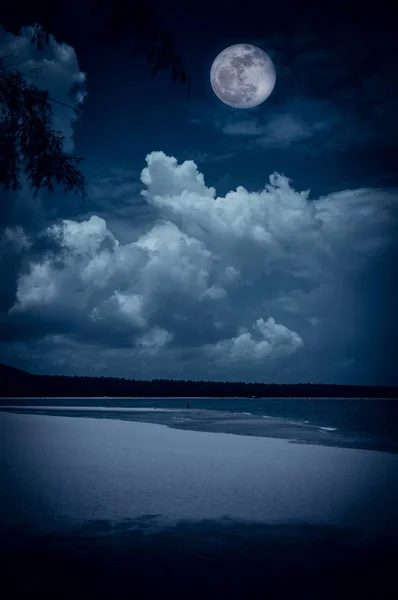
x=28, y=140
x=14, y=382
x=116, y=21
x=136, y=21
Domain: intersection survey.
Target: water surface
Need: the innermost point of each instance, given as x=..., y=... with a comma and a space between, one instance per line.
x=108, y=508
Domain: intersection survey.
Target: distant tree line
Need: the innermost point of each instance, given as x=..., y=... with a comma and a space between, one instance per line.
x=15, y=383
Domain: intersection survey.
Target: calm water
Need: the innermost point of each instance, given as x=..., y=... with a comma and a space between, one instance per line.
x=373, y=419
x=113, y=509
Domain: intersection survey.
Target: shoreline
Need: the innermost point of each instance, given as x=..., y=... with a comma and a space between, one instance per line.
x=213, y=421
x=195, y=398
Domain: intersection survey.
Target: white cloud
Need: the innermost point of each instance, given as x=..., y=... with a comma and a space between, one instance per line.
x=39, y=288
x=83, y=239
x=164, y=177
x=314, y=320
x=273, y=340
x=204, y=272
x=16, y=238
x=127, y=308
x=156, y=339
x=215, y=292
x=274, y=225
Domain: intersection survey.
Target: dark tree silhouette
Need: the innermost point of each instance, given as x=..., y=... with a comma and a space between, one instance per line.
x=15, y=382
x=122, y=20
x=28, y=140
x=115, y=21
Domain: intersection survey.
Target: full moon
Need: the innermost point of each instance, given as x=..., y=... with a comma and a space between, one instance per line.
x=242, y=76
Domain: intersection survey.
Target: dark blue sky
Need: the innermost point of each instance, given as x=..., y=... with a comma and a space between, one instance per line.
x=253, y=280
x=334, y=65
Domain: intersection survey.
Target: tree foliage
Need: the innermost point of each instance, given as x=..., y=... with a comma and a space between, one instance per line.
x=115, y=21
x=122, y=20
x=21, y=383
x=28, y=141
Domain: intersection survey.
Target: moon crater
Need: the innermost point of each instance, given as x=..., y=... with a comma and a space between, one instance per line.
x=242, y=76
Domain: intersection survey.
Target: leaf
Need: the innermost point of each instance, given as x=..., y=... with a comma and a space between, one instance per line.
x=28, y=140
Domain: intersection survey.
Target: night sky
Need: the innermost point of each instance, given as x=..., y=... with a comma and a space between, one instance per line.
x=271, y=257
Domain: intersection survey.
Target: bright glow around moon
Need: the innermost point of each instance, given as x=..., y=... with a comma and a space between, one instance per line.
x=242, y=76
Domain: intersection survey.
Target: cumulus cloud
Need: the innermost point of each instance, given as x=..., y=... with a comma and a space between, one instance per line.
x=156, y=339
x=272, y=227
x=215, y=283
x=272, y=339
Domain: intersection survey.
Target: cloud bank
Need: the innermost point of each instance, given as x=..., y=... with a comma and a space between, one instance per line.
x=254, y=284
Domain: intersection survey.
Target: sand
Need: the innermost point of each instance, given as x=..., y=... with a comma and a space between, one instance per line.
x=218, y=422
